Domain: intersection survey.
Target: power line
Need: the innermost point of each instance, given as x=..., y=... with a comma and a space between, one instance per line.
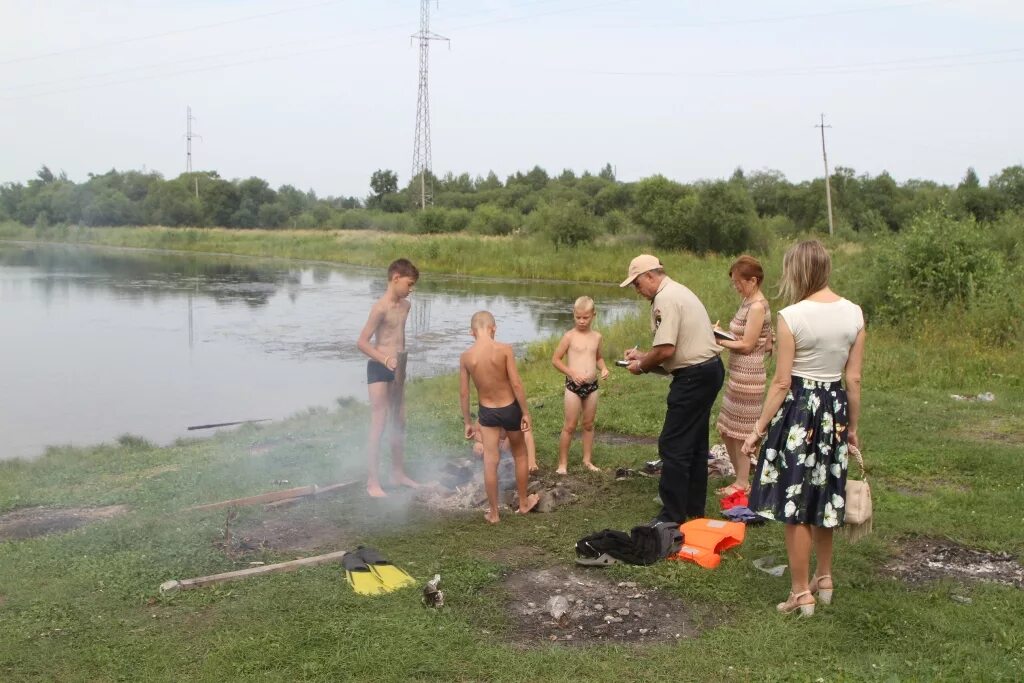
x=205, y=58
x=852, y=68
x=780, y=18
x=258, y=48
x=164, y=34
x=839, y=69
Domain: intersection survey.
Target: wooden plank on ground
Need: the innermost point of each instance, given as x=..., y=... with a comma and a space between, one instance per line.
x=320, y=490
x=186, y=584
x=260, y=498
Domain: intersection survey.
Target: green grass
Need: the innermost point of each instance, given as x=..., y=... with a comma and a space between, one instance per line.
x=84, y=606
x=461, y=254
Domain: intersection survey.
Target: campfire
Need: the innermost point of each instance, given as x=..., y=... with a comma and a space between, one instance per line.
x=461, y=487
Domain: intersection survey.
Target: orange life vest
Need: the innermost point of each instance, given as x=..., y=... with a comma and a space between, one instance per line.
x=704, y=540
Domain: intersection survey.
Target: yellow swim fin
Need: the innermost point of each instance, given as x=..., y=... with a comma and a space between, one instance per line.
x=390, y=576
x=359, y=576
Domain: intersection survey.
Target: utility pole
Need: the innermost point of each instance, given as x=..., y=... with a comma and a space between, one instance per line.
x=828, y=189
x=188, y=147
x=421, y=144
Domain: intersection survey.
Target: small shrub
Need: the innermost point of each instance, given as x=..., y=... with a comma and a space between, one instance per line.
x=353, y=219
x=436, y=219
x=566, y=224
x=134, y=441
x=941, y=263
x=489, y=219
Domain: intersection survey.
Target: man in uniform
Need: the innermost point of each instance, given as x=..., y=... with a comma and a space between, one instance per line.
x=684, y=346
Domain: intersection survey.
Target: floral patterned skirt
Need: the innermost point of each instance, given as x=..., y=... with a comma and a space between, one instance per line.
x=801, y=471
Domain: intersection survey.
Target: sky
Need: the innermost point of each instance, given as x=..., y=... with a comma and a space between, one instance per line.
x=318, y=94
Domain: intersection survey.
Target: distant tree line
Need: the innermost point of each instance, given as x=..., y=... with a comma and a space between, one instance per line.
x=745, y=212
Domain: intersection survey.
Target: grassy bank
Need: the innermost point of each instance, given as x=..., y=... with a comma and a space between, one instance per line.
x=460, y=254
x=84, y=605
x=854, y=272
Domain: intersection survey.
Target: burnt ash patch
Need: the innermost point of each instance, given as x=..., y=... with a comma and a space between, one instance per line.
x=930, y=559
x=616, y=439
x=303, y=533
x=33, y=522
x=575, y=607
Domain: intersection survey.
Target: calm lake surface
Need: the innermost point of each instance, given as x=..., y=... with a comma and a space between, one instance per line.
x=100, y=342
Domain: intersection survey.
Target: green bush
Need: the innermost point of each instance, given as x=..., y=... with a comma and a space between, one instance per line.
x=1008, y=236
x=436, y=219
x=353, y=219
x=941, y=263
x=616, y=222
x=489, y=219
x=567, y=224
x=779, y=226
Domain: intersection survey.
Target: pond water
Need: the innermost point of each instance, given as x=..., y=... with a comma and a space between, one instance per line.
x=101, y=342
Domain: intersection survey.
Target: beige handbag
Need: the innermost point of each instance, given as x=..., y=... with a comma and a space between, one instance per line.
x=858, y=502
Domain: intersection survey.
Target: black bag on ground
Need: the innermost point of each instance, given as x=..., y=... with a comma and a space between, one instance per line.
x=644, y=545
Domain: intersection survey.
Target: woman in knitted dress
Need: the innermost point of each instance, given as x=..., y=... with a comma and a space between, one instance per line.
x=741, y=404
x=809, y=421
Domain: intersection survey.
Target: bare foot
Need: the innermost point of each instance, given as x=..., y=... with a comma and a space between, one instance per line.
x=561, y=470
x=491, y=517
x=531, y=502
x=375, y=491
x=404, y=480
x=534, y=469
x=592, y=467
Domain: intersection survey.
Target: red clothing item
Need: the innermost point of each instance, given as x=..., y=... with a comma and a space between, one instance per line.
x=737, y=499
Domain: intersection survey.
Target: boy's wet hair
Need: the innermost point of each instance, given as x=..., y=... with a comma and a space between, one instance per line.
x=584, y=304
x=481, y=319
x=403, y=267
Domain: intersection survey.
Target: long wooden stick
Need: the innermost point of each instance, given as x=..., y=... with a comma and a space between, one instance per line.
x=261, y=498
x=320, y=490
x=276, y=496
x=226, y=424
x=175, y=585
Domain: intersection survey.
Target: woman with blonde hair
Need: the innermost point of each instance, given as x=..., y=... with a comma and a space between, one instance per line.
x=744, y=391
x=808, y=421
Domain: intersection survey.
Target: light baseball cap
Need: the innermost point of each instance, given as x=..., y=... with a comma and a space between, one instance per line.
x=640, y=265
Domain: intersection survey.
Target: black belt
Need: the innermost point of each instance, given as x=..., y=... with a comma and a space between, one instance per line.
x=709, y=361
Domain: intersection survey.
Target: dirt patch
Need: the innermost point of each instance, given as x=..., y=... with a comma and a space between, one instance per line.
x=928, y=559
x=1004, y=430
x=615, y=439
x=926, y=487
x=579, y=607
x=290, y=533
x=517, y=555
x=32, y=522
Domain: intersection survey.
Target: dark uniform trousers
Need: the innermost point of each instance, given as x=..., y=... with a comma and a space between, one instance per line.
x=683, y=444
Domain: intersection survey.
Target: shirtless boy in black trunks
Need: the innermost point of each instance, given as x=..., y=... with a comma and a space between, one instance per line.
x=492, y=367
x=383, y=340
x=578, y=357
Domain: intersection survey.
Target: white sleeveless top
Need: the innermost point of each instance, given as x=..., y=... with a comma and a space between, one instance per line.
x=824, y=333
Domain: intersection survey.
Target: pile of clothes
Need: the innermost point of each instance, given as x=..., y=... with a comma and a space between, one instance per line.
x=643, y=545
x=735, y=508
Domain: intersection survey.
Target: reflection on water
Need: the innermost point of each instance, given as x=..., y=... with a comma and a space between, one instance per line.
x=99, y=342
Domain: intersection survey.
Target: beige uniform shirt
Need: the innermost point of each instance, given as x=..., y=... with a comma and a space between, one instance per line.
x=679, y=318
